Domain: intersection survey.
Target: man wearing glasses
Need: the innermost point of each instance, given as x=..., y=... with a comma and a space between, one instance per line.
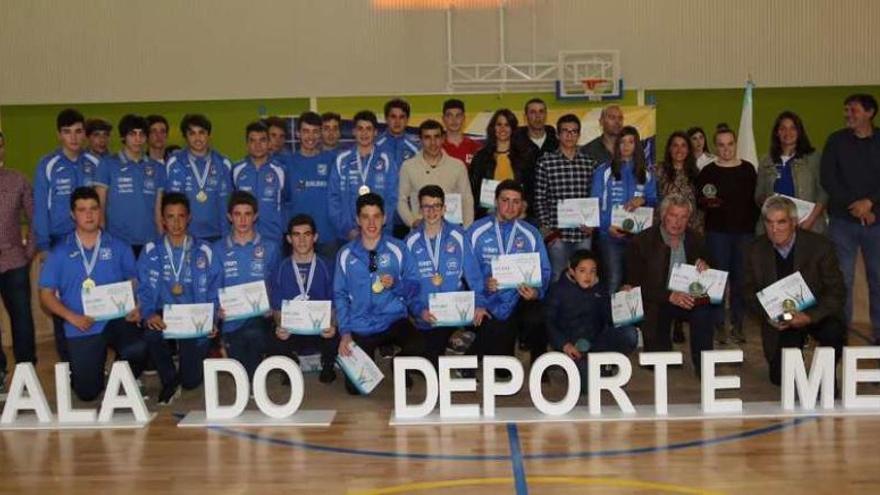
x=563, y=174
x=371, y=285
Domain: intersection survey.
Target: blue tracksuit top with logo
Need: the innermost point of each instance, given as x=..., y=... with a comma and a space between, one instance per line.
x=283, y=286
x=132, y=189
x=243, y=263
x=612, y=192
x=64, y=272
x=457, y=265
x=198, y=275
x=208, y=217
x=484, y=242
x=383, y=176
x=55, y=179
x=359, y=310
x=402, y=147
x=307, y=183
x=267, y=184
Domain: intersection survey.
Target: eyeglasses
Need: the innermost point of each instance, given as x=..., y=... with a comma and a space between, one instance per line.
x=571, y=132
x=435, y=206
x=373, y=266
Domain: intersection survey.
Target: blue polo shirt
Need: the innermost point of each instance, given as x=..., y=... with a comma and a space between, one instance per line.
x=132, y=190
x=283, y=286
x=198, y=275
x=456, y=264
x=54, y=181
x=359, y=310
x=267, y=185
x=307, y=183
x=64, y=273
x=208, y=217
x=243, y=263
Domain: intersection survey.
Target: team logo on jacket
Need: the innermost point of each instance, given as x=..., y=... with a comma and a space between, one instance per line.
x=322, y=169
x=520, y=243
x=270, y=179
x=380, y=163
x=301, y=185
x=385, y=260
x=452, y=265
x=149, y=171
x=450, y=247
x=259, y=252
x=105, y=254
x=201, y=262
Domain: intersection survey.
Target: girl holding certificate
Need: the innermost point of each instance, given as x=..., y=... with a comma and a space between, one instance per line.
x=726, y=193
x=176, y=270
x=445, y=261
x=72, y=276
x=304, y=276
x=624, y=182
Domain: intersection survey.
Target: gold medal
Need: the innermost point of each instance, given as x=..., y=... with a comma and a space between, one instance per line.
x=363, y=190
x=202, y=196
x=88, y=284
x=377, y=286
x=437, y=279
x=177, y=289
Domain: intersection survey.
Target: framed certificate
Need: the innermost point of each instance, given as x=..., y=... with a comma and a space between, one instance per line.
x=452, y=309
x=188, y=321
x=487, y=193
x=574, y=213
x=685, y=278
x=627, y=307
x=632, y=221
x=109, y=301
x=453, y=209
x=513, y=270
x=360, y=369
x=786, y=295
x=244, y=300
x=305, y=317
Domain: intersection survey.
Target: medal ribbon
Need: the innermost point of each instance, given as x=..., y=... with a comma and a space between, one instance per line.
x=176, y=271
x=434, y=251
x=364, y=172
x=202, y=179
x=88, y=264
x=304, y=287
x=501, y=246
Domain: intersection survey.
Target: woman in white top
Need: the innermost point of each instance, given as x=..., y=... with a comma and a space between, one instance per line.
x=700, y=147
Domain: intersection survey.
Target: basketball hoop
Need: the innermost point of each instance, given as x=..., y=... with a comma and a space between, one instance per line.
x=595, y=87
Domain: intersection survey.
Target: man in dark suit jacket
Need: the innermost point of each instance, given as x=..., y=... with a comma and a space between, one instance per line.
x=649, y=258
x=782, y=251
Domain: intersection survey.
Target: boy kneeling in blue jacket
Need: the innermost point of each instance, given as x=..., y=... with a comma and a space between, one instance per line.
x=577, y=312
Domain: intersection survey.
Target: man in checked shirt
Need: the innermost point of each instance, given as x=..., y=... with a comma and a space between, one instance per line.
x=563, y=174
x=16, y=253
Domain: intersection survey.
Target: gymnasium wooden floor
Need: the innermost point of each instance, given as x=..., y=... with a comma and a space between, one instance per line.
x=360, y=454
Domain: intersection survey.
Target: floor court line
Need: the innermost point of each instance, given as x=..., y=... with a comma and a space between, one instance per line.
x=540, y=480
x=702, y=442
x=519, y=470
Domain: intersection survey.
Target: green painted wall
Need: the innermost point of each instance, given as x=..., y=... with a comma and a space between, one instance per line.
x=30, y=129
x=821, y=109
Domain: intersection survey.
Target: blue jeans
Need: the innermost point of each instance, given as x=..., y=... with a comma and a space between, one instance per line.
x=560, y=252
x=15, y=288
x=89, y=354
x=623, y=340
x=248, y=344
x=192, y=354
x=613, y=269
x=727, y=250
x=848, y=237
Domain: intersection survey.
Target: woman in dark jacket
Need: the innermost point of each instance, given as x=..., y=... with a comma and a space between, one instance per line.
x=499, y=159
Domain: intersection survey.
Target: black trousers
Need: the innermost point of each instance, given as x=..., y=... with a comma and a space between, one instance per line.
x=496, y=337
x=829, y=332
x=436, y=340
x=296, y=343
x=699, y=319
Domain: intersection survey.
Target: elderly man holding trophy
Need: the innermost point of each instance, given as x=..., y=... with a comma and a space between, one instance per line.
x=794, y=285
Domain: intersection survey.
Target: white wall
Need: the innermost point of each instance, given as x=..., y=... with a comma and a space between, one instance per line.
x=142, y=50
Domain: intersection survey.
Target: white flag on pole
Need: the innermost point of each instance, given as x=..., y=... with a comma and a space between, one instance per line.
x=745, y=146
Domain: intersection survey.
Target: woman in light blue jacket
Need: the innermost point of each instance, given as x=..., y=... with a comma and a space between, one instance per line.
x=624, y=182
